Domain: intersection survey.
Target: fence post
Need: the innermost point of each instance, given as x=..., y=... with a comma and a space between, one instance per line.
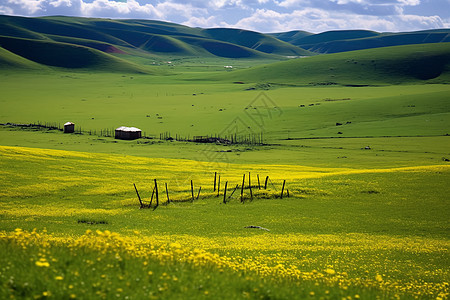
x=215, y=176
x=156, y=192
x=218, y=187
x=265, y=183
x=192, y=190
x=242, y=189
x=167, y=193
x=282, y=189
x=250, y=186
x=225, y=193
x=259, y=185
x=139, y=197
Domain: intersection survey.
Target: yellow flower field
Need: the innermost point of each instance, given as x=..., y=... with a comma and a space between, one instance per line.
x=90, y=225
x=348, y=255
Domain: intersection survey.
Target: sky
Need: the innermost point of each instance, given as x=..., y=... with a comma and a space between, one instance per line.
x=259, y=15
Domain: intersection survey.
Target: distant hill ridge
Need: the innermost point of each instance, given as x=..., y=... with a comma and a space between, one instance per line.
x=137, y=37
x=33, y=53
x=382, y=66
x=92, y=43
x=350, y=40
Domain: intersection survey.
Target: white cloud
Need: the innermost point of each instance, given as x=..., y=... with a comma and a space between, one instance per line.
x=202, y=22
x=58, y=3
x=364, y=7
x=317, y=20
x=410, y=2
x=258, y=15
x=418, y=22
x=29, y=6
x=341, y=2
x=4, y=10
x=292, y=3
x=242, y=4
x=217, y=4
x=379, y=2
x=106, y=8
x=180, y=10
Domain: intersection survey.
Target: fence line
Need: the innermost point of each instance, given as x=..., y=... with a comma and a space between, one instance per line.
x=231, y=139
x=188, y=194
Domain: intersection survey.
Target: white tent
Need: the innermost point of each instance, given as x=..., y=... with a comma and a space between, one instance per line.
x=128, y=133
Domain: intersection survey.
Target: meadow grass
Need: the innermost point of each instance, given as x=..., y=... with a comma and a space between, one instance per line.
x=359, y=223
x=158, y=104
x=364, y=232
x=386, y=65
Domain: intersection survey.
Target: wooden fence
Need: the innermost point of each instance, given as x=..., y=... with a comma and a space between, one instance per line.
x=248, y=191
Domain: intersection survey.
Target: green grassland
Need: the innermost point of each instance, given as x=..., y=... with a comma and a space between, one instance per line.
x=358, y=223
x=389, y=65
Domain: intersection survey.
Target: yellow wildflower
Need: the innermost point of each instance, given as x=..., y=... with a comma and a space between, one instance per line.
x=175, y=245
x=330, y=271
x=42, y=263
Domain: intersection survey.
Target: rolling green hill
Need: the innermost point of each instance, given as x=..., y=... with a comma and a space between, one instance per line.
x=146, y=38
x=328, y=36
x=167, y=44
x=64, y=55
x=18, y=31
x=256, y=41
x=104, y=47
x=349, y=40
x=379, y=41
x=291, y=36
x=390, y=65
x=9, y=60
x=106, y=44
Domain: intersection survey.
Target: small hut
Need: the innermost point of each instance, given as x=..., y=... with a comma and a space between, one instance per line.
x=69, y=127
x=128, y=133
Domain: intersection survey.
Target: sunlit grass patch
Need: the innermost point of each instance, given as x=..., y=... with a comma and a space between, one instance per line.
x=50, y=210
x=100, y=174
